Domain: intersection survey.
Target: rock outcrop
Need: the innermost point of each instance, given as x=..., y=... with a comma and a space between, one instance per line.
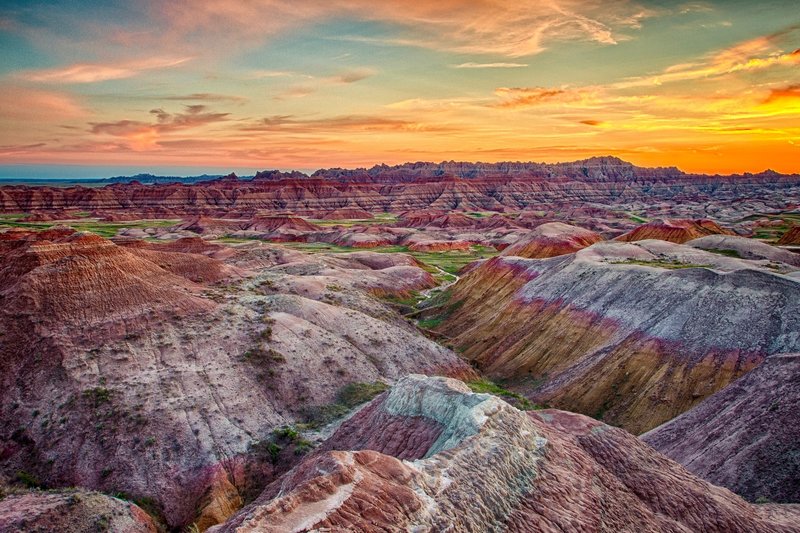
x=343, y=213
x=791, y=237
x=430, y=245
x=745, y=248
x=677, y=231
x=744, y=437
x=70, y=511
x=551, y=240
x=471, y=462
x=633, y=333
x=435, y=219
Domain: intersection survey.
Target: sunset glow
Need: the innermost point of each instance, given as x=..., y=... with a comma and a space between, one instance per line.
x=708, y=87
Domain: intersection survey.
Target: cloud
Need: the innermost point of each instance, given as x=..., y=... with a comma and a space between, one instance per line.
x=490, y=65
x=20, y=149
x=438, y=104
x=195, y=115
x=695, y=7
x=512, y=29
x=96, y=72
x=297, y=91
x=120, y=128
x=722, y=65
x=259, y=74
x=350, y=123
x=145, y=135
x=25, y=103
x=781, y=94
x=514, y=97
x=203, y=97
x=590, y=122
x=316, y=83
x=751, y=55
x=352, y=76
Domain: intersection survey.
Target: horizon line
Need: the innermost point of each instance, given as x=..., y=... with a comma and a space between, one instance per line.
x=216, y=172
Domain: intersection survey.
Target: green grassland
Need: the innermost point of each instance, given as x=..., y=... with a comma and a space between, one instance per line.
x=450, y=261
x=772, y=234
x=727, y=253
x=379, y=219
x=104, y=229
x=669, y=265
x=517, y=400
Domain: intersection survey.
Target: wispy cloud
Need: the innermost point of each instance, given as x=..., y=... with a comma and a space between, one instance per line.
x=315, y=83
x=96, y=72
x=203, y=97
x=791, y=92
x=25, y=103
x=347, y=123
x=695, y=7
x=512, y=29
x=514, y=97
x=751, y=55
x=20, y=149
x=145, y=135
x=490, y=65
x=350, y=76
x=259, y=74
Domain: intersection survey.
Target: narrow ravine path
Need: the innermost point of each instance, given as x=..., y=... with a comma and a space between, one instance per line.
x=427, y=294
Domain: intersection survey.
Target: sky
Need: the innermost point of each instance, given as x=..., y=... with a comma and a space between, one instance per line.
x=101, y=87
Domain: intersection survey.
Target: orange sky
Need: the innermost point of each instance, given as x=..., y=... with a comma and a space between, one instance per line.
x=706, y=86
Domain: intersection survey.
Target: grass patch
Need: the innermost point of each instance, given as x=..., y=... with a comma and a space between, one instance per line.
x=260, y=356
x=282, y=438
x=517, y=400
x=379, y=219
x=357, y=393
x=726, y=253
x=348, y=397
x=97, y=395
x=236, y=240
x=27, y=479
x=439, y=311
x=452, y=261
x=413, y=298
x=104, y=229
x=317, y=416
x=431, y=323
x=669, y=265
x=773, y=233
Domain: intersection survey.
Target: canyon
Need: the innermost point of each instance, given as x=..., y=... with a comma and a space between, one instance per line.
x=602, y=182
x=588, y=346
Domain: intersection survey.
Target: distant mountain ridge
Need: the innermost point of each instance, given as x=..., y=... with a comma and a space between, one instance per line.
x=139, y=178
x=507, y=186
x=150, y=178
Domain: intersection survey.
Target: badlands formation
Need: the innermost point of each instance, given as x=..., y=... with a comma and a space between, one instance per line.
x=598, y=183
x=145, y=370
x=588, y=346
x=474, y=463
x=739, y=438
x=634, y=333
